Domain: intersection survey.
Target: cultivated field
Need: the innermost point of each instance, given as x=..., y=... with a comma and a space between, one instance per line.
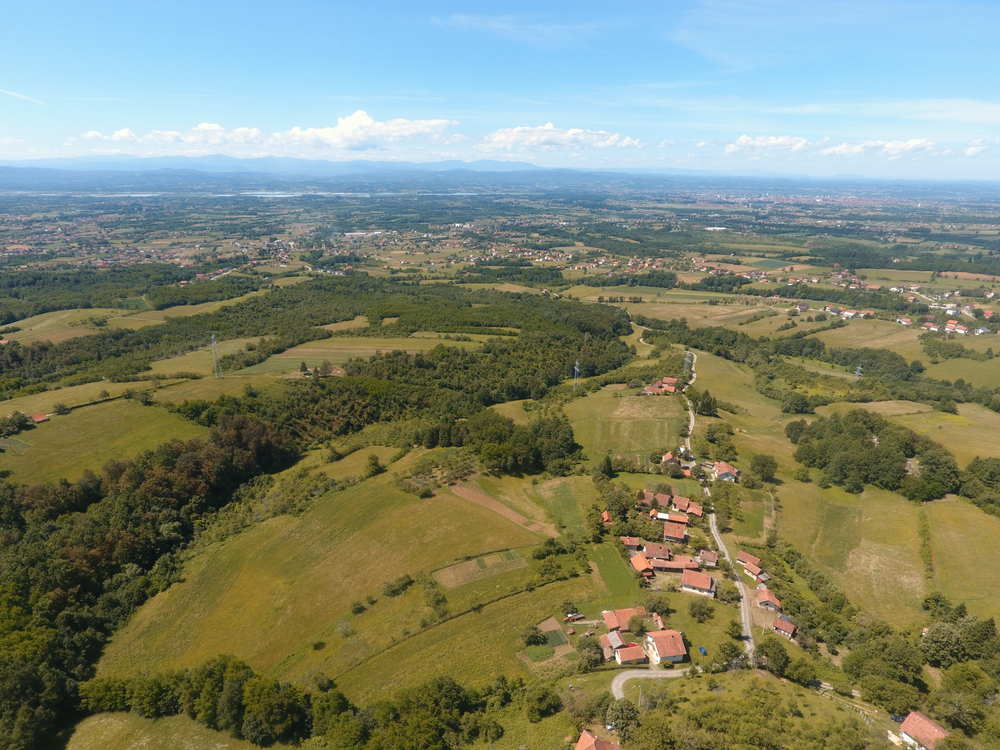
x=603, y=421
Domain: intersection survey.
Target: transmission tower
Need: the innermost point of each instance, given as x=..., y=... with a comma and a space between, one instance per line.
x=215, y=353
x=858, y=373
x=576, y=375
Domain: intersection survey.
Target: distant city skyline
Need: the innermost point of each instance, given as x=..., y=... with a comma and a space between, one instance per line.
x=878, y=89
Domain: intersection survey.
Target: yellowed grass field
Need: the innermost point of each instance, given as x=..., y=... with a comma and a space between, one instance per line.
x=289, y=580
x=876, y=334
x=127, y=731
x=59, y=326
x=966, y=544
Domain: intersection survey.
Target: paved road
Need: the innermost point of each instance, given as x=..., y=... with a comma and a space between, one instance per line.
x=744, y=592
x=618, y=684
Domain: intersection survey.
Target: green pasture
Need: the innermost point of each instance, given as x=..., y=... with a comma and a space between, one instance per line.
x=60, y=325
x=126, y=731
x=603, y=422
x=275, y=594
x=966, y=546
x=200, y=361
x=984, y=374
x=970, y=433
x=89, y=437
x=71, y=396
x=512, y=410
x=876, y=334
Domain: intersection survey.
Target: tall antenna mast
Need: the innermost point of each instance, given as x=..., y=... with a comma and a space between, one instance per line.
x=576, y=375
x=215, y=353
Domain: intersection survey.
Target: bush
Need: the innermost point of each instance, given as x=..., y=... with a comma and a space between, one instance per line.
x=532, y=636
x=701, y=610
x=541, y=701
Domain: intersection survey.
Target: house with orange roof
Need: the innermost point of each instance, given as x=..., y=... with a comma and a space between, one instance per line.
x=695, y=582
x=590, y=741
x=767, y=600
x=675, y=532
x=607, y=518
x=665, y=645
x=920, y=732
x=784, y=627
x=39, y=418
x=632, y=542
x=725, y=472
x=745, y=557
x=694, y=509
x=630, y=655
x=641, y=565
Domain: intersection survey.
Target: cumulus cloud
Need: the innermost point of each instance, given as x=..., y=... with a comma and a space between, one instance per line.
x=549, y=138
x=767, y=143
x=359, y=131
x=355, y=132
x=665, y=144
x=891, y=150
x=702, y=144
x=977, y=146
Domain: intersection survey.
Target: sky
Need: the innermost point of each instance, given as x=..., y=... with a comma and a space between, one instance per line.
x=840, y=87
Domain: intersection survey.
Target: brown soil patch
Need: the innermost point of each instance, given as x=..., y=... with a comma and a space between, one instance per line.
x=470, y=570
x=551, y=624
x=474, y=494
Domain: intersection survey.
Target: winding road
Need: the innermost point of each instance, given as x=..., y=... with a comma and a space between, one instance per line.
x=618, y=684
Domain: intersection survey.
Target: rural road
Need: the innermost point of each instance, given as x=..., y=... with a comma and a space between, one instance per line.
x=745, y=599
x=618, y=684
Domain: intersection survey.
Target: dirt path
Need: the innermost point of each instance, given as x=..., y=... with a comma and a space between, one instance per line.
x=476, y=495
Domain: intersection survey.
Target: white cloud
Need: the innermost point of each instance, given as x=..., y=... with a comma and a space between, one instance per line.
x=665, y=144
x=359, y=131
x=761, y=143
x=892, y=150
x=702, y=144
x=548, y=138
x=977, y=146
x=119, y=135
x=520, y=29
x=4, y=141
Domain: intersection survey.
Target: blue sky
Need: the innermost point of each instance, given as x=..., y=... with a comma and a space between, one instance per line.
x=882, y=89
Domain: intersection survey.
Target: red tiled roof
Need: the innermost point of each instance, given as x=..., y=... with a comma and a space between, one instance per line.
x=606, y=517
x=766, y=595
x=784, y=626
x=631, y=541
x=674, y=531
x=677, y=518
x=36, y=418
x=696, y=580
x=721, y=467
x=708, y=555
x=668, y=643
x=746, y=557
x=752, y=569
x=610, y=619
x=681, y=503
x=695, y=510
x=658, y=551
x=630, y=653
x=924, y=730
x=640, y=563
x=590, y=741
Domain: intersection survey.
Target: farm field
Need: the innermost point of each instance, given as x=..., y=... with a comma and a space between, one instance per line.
x=151, y=317
x=970, y=433
x=876, y=334
x=603, y=422
x=289, y=582
x=200, y=361
x=980, y=374
x=964, y=539
x=60, y=325
x=71, y=396
x=89, y=437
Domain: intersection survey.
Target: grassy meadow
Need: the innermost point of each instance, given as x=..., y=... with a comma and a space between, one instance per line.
x=966, y=546
x=89, y=437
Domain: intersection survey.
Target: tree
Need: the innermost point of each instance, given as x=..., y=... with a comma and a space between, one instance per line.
x=801, y=474
x=326, y=368
x=653, y=733
x=604, y=468
x=793, y=402
x=764, y=466
x=623, y=716
x=728, y=652
x=303, y=367
x=541, y=701
x=374, y=467
x=942, y=645
x=659, y=604
x=734, y=630
x=701, y=610
x=569, y=607
x=636, y=625
x=60, y=409
x=771, y=653
x=532, y=636
x=801, y=671
x=726, y=592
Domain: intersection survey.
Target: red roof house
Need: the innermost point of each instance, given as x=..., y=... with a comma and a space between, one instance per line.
x=666, y=645
x=39, y=418
x=698, y=583
x=590, y=741
x=921, y=732
x=674, y=532
x=767, y=600
x=630, y=655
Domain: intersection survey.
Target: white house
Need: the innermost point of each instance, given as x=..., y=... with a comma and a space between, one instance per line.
x=695, y=582
x=920, y=732
x=665, y=645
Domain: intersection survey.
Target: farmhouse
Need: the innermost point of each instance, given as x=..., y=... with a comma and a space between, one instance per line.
x=784, y=627
x=767, y=600
x=725, y=472
x=670, y=458
x=666, y=645
x=695, y=510
x=630, y=655
x=695, y=582
x=681, y=503
x=674, y=532
x=756, y=573
x=631, y=542
x=607, y=519
x=590, y=741
x=921, y=732
x=658, y=552
x=641, y=565
x=745, y=557
x=617, y=619
x=708, y=558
